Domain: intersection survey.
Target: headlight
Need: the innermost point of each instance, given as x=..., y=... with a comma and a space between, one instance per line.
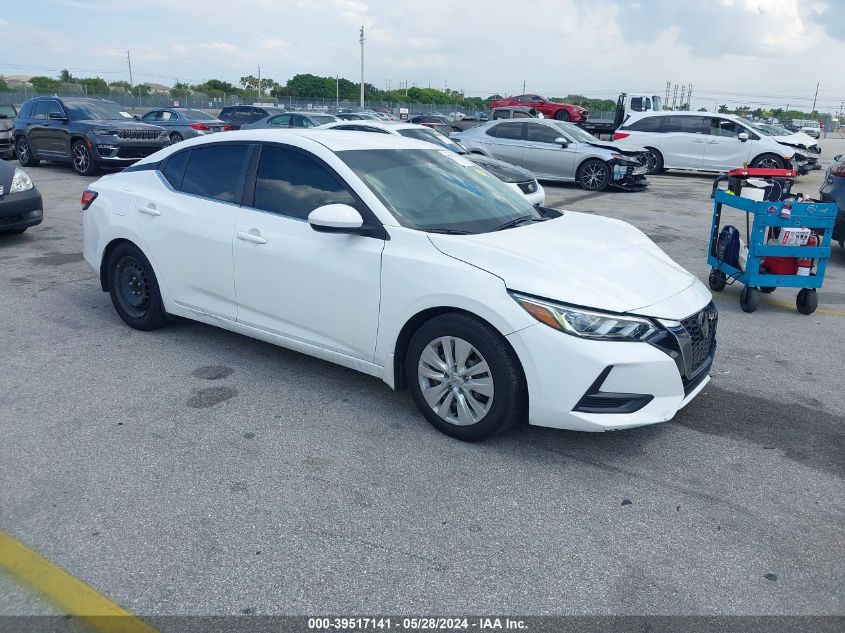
x=587, y=323
x=20, y=181
x=105, y=132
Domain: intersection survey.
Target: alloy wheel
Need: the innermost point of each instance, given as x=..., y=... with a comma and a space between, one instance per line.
x=650, y=162
x=769, y=163
x=455, y=380
x=594, y=176
x=81, y=158
x=23, y=151
x=133, y=287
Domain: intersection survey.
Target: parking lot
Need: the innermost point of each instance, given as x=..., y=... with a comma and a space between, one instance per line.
x=195, y=471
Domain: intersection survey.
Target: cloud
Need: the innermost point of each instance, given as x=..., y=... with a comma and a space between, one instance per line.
x=832, y=18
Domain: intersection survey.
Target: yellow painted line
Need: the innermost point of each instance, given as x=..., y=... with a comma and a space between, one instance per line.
x=72, y=595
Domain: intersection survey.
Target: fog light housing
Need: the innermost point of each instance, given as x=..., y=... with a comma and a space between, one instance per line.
x=106, y=149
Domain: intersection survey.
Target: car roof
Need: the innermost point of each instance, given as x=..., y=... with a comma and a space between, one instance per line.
x=382, y=125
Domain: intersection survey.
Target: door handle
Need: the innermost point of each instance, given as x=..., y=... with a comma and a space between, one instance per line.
x=696, y=141
x=253, y=238
x=712, y=142
x=149, y=209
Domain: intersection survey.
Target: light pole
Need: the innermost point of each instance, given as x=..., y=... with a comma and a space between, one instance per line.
x=362, y=67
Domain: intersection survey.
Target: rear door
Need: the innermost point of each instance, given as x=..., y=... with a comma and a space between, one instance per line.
x=56, y=139
x=186, y=216
x=545, y=158
x=724, y=150
x=682, y=141
x=37, y=131
x=504, y=141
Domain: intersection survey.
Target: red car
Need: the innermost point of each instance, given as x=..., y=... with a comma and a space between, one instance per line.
x=559, y=111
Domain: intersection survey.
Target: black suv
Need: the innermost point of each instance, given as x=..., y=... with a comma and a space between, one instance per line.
x=236, y=116
x=88, y=133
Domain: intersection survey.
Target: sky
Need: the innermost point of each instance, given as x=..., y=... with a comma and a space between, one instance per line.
x=737, y=52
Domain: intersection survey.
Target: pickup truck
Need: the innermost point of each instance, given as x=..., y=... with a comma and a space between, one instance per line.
x=605, y=123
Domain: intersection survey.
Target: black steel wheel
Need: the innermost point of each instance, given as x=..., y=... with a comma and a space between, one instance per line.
x=82, y=159
x=24, y=152
x=594, y=175
x=749, y=299
x=717, y=280
x=807, y=300
x=134, y=288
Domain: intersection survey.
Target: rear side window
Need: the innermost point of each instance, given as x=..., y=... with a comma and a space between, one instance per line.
x=511, y=131
x=214, y=172
x=40, y=110
x=687, y=124
x=26, y=110
x=648, y=124
x=175, y=169
x=294, y=184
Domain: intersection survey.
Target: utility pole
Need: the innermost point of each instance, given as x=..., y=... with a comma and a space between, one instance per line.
x=362, y=67
x=816, y=97
x=689, y=97
x=523, y=86
x=406, y=87
x=259, y=84
x=131, y=83
x=337, y=92
x=674, y=96
x=668, y=85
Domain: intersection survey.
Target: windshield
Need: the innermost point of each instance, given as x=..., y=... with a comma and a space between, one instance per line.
x=437, y=190
x=79, y=110
x=574, y=132
x=7, y=112
x=430, y=136
x=322, y=119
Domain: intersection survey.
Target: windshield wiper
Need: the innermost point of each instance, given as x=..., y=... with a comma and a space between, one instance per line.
x=516, y=222
x=449, y=231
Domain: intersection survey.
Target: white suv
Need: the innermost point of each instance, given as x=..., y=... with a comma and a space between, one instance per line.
x=701, y=141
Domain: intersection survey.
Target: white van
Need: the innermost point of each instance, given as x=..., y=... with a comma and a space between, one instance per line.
x=701, y=141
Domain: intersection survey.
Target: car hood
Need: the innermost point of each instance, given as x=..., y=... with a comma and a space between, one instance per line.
x=6, y=124
x=802, y=141
x=500, y=169
x=628, y=150
x=122, y=124
x=579, y=259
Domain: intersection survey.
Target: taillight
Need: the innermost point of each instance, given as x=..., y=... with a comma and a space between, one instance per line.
x=227, y=128
x=88, y=197
x=200, y=126
x=618, y=136
x=838, y=170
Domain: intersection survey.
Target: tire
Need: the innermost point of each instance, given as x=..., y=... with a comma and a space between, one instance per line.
x=807, y=300
x=82, y=159
x=771, y=161
x=717, y=280
x=175, y=137
x=593, y=175
x=749, y=299
x=24, y=152
x=133, y=288
x=499, y=402
x=562, y=115
x=767, y=289
x=654, y=161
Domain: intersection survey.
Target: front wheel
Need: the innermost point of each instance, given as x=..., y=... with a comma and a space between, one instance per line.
x=464, y=377
x=562, y=115
x=594, y=175
x=134, y=289
x=768, y=161
x=24, y=152
x=83, y=161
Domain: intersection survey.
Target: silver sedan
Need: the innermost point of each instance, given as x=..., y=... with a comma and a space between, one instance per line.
x=292, y=119
x=559, y=151
x=182, y=123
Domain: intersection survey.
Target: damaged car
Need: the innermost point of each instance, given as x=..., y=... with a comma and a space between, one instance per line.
x=806, y=147
x=559, y=151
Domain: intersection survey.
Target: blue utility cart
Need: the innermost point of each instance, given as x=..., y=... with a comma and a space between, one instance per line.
x=817, y=216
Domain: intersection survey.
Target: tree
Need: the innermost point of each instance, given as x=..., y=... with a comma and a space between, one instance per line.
x=702, y=109
x=250, y=82
x=180, y=89
x=4, y=87
x=45, y=84
x=65, y=76
x=723, y=109
x=120, y=86
x=142, y=90
x=267, y=85
x=94, y=85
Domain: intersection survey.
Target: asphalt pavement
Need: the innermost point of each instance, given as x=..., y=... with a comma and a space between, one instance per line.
x=196, y=471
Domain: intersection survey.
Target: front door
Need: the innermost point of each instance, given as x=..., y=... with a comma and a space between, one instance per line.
x=724, y=149
x=318, y=288
x=545, y=158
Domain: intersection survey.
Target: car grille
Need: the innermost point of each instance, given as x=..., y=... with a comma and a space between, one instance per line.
x=138, y=135
x=136, y=152
x=527, y=187
x=10, y=219
x=701, y=328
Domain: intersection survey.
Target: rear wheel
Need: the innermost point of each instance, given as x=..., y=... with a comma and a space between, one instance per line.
x=594, y=175
x=24, y=152
x=768, y=161
x=175, y=137
x=749, y=299
x=134, y=288
x=653, y=161
x=464, y=377
x=83, y=160
x=562, y=115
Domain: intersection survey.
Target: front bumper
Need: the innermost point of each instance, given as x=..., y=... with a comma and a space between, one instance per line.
x=6, y=149
x=21, y=210
x=117, y=153
x=564, y=374
x=531, y=191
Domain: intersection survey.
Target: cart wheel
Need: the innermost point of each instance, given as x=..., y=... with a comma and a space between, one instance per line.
x=767, y=289
x=807, y=300
x=749, y=299
x=716, y=280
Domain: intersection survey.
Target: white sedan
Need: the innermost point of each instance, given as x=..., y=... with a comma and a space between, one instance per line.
x=409, y=263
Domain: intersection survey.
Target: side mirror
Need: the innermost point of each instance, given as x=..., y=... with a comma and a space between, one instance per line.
x=743, y=136
x=57, y=116
x=137, y=117
x=335, y=218
x=562, y=141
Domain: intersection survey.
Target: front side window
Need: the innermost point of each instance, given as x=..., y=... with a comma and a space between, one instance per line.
x=294, y=184
x=214, y=172
x=538, y=133
x=637, y=104
x=26, y=110
x=723, y=127
x=438, y=190
x=283, y=120
x=322, y=119
x=40, y=111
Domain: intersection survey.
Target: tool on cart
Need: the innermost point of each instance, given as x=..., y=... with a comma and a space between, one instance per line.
x=788, y=241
